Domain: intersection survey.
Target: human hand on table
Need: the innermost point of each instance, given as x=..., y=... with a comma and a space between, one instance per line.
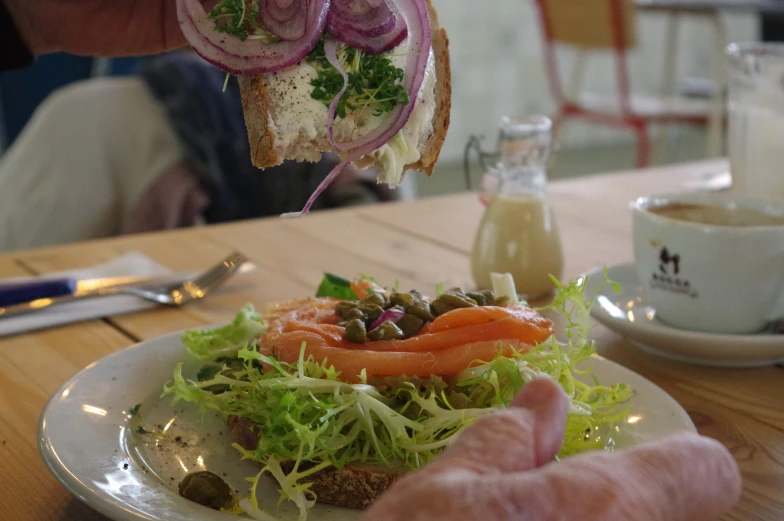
x=500, y=470
x=97, y=27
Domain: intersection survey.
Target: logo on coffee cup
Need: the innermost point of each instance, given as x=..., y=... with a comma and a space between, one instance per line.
x=668, y=278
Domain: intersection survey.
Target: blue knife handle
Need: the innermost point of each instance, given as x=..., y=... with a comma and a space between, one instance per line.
x=21, y=292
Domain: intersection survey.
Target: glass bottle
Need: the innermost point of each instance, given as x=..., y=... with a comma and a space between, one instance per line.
x=518, y=233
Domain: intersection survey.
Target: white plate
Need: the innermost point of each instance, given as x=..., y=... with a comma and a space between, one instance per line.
x=87, y=439
x=628, y=314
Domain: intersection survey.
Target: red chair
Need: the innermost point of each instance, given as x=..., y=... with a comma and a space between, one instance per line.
x=607, y=25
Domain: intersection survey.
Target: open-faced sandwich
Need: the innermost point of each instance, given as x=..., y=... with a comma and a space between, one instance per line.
x=337, y=396
x=366, y=79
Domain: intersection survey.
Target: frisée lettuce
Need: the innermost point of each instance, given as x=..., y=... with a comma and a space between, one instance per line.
x=212, y=344
x=308, y=416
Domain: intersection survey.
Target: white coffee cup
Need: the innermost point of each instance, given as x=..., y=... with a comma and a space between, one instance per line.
x=720, y=278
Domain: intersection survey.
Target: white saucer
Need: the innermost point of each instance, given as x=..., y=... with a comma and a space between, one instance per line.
x=627, y=314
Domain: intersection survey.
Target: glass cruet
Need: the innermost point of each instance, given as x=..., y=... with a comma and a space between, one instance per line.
x=518, y=233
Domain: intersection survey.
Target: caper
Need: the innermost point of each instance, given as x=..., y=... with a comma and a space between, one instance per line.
x=457, y=290
x=386, y=331
x=355, y=314
x=206, y=488
x=420, y=309
x=457, y=301
x=355, y=332
x=410, y=325
x=439, y=306
x=343, y=307
x=489, y=295
x=371, y=311
x=501, y=301
x=374, y=299
x=401, y=299
x=480, y=299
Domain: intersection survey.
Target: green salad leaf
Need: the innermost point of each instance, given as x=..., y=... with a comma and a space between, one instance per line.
x=335, y=286
x=310, y=417
x=210, y=344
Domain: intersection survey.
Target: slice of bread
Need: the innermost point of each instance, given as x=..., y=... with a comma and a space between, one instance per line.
x=353, y=486
x=269, y=148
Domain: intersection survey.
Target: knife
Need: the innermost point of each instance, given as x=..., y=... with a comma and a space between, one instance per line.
x=12, y=293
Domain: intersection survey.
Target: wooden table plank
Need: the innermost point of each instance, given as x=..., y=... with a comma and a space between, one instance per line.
x=592, y=213
x=32, y=368
x=288, y=268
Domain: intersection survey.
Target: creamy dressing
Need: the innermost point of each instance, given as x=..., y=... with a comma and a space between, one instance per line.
x=403, y=149
x=518, y=235
x=296, y=116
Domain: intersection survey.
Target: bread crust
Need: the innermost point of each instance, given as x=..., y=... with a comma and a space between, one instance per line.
x=261, y=127
x=353, y=486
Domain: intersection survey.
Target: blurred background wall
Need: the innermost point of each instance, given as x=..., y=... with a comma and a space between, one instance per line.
x=497, y=65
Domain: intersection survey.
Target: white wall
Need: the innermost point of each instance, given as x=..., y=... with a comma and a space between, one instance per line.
x=497, y=65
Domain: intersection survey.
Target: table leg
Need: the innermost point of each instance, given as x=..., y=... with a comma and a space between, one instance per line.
x=669, y=83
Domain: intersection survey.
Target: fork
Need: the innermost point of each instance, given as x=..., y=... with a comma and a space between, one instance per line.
x=172, y=295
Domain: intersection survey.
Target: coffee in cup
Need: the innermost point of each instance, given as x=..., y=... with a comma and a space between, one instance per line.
x=711, y=262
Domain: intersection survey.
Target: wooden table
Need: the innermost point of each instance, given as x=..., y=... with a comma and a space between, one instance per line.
x=417, y=243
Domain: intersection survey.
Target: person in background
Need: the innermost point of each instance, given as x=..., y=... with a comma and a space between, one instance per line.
x=501, y=468
x=165, y=149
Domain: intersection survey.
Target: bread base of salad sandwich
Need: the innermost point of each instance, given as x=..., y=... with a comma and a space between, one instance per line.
x=353, y=486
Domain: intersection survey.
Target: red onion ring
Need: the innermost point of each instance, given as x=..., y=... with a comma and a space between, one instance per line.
x=381, y=30
x=285, y=23
x=357, y=8
x=321, y=188
x=390, y=315
x=331, y=52
x=248, y=56
x=415, y=14
x=366, y=21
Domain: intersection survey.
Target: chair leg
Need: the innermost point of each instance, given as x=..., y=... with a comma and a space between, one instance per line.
x=661, y=144
x=558, y=124
x=643, y=145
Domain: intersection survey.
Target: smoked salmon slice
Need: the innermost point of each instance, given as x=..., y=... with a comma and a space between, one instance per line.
x=463, y=317
x=444, y=347
x=498, y=330
x=314, y=310
x=350, y=362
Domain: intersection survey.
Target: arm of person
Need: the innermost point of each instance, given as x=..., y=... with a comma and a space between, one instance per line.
x=30, y=28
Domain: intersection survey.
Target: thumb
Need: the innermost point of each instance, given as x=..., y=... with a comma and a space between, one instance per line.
x=524, y=436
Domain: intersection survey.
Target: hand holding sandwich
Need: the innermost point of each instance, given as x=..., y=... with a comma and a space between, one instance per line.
x=499, y=470
x=97, y=27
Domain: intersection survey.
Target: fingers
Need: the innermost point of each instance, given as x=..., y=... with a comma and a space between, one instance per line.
x=681, y=478
x=524, y=436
